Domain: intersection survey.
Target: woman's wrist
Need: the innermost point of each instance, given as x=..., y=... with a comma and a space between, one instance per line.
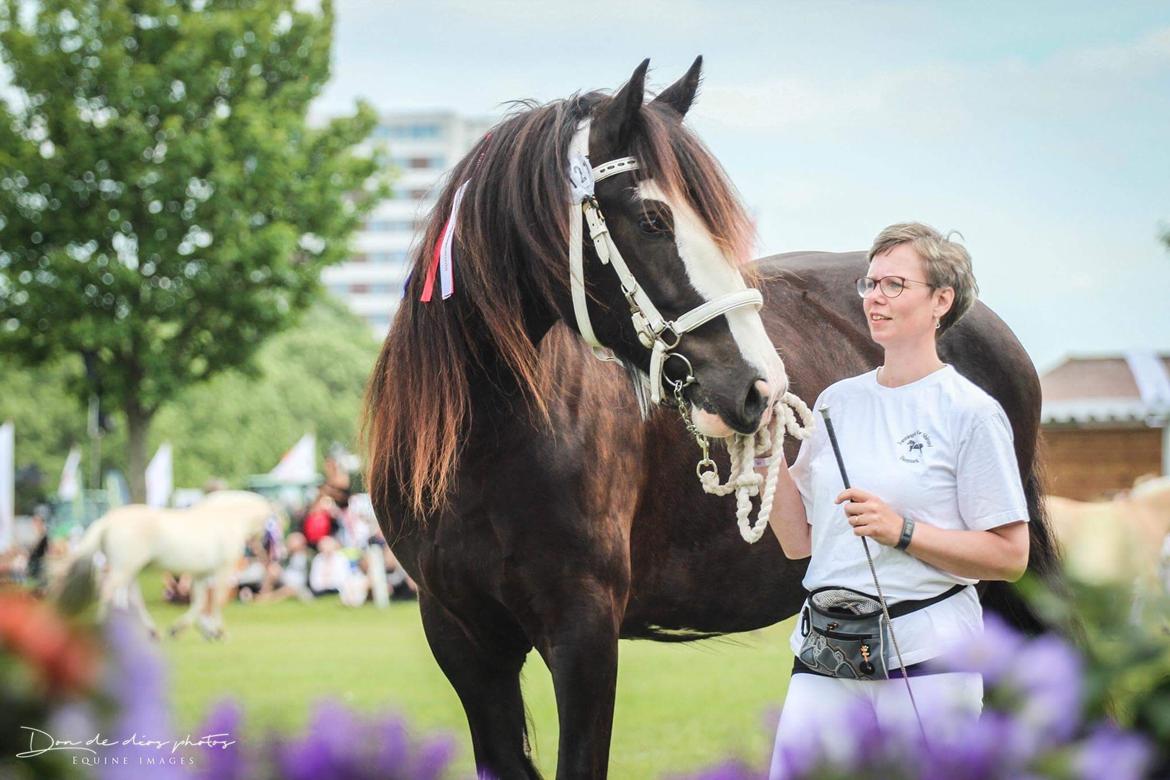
x=906, y=535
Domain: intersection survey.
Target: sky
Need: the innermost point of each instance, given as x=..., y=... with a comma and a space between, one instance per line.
x=1040, y=131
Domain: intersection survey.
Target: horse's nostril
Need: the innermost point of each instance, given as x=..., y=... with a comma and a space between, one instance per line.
x=756, y=400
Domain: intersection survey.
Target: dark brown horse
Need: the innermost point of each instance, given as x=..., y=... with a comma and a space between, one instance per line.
x=520, y=481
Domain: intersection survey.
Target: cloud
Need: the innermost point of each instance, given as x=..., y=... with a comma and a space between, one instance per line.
x=947, y=95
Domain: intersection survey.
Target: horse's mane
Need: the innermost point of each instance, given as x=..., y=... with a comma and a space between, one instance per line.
x=511, y=240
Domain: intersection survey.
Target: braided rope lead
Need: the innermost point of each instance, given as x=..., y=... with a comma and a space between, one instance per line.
x=790, y=415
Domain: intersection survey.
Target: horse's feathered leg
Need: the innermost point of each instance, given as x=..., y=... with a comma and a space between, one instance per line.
x=485, y=673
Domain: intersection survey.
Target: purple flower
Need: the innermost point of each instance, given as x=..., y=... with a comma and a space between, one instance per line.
x=729, y=770
x=991, y=653
x=1110, y=752
x=988, y=747
x=432, y=760
x=136, y=681
x=339, y=745
x=222, y=762
x=1048, y=676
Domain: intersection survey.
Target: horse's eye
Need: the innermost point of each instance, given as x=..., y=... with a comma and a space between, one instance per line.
x=653, y=224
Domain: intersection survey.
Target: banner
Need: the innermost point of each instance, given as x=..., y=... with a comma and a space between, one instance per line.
x=7, y=483
x=70, y=486
x=160, y=477
x=299, y=465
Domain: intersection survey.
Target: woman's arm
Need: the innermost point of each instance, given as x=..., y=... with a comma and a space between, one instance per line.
x=1000, y=553
x=787, y=519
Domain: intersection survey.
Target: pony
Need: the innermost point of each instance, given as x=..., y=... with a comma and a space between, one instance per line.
x=205, y=540
x=539, y=497
x=1119, y=542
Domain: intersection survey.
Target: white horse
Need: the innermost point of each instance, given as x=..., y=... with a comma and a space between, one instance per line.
x=205, y=541
x=1122, y=542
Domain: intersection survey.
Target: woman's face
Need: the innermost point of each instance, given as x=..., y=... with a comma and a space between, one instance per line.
x=910, y=316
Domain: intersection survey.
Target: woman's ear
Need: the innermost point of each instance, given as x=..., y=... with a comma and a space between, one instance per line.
x=944, y=298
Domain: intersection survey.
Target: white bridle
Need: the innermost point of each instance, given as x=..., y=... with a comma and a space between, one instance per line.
x=659, y=335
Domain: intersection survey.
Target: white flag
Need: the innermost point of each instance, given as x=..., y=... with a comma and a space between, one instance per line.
x=70, y=485
x=160, y=477
x=299, y=464
x=7, y=483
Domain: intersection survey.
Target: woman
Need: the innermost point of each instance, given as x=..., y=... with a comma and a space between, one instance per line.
x=936, y=491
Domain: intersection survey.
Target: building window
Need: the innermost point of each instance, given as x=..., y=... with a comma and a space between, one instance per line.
x=418, y=193
x=359, y=288
x=389, y=225
x=384, y=258
x=359, y=257
x=413, y=132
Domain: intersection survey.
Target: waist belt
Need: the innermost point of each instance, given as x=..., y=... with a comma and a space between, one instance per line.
x=906, y=607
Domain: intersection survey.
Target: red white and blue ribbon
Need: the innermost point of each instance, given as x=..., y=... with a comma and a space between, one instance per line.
x=442, y=259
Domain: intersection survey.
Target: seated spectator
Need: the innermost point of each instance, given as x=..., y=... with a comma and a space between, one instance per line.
x=329, y=569
x=320, y=521
x=291, y=573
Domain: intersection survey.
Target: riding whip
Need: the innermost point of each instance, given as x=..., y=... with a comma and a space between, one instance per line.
x=824, y=410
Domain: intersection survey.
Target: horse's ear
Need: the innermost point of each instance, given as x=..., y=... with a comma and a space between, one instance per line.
x=681, y=93
x=618, y=119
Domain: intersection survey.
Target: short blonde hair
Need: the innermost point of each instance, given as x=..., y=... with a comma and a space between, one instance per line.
x=948, y=264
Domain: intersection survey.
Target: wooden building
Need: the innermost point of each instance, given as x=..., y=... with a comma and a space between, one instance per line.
x=1106, y=422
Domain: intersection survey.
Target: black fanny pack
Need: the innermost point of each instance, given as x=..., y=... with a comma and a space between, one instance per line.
x=845, y=631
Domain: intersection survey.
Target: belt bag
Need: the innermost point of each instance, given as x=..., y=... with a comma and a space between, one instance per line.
x=845, y=633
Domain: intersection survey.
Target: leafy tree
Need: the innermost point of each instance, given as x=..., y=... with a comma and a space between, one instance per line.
x=311, y=377
x=164, y=205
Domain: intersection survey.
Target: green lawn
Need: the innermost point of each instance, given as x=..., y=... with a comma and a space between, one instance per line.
x=679, y=707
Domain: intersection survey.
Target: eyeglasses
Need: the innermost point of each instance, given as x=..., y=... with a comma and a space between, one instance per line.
x=892, y=286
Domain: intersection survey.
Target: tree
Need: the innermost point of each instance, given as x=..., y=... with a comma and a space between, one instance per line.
x=310, y=377
x=164, y=204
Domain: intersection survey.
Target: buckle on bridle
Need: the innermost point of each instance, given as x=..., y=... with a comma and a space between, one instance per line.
x=669, y=327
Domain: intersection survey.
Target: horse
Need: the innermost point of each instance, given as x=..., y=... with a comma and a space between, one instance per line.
x=539, y=497
x=1119, y=542
x=205, y=540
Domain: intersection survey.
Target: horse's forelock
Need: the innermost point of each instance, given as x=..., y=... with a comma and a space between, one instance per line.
x=685, y=169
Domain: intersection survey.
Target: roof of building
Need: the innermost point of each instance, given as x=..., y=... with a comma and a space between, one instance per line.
x=1129, y=388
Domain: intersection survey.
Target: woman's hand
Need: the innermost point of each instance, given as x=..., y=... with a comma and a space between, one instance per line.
x=870, y=516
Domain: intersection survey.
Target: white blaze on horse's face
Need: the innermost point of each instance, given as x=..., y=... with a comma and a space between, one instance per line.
x=712, y=274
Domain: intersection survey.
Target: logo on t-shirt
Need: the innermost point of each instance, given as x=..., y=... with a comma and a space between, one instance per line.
x=912, y=446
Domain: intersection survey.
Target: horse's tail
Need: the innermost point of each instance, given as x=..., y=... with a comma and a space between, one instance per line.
x=1044, y=565
x=76, y=588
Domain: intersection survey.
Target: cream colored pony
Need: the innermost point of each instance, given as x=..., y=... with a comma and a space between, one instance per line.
x=1120, y=541
x=205, y=541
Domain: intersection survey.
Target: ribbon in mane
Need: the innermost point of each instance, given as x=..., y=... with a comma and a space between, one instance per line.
x=443, y=256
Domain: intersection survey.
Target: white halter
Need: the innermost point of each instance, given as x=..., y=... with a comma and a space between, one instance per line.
x=655, y=332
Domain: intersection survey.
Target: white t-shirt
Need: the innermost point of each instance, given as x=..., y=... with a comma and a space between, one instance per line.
x=938, y=450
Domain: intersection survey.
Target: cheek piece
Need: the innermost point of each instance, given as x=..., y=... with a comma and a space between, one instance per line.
x=661, y=336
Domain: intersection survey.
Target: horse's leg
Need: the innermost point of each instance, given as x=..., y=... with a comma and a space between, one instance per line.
x=581, y=650
x=198, y=597
x=139, y=604
x=211, y=624
x=485, y=674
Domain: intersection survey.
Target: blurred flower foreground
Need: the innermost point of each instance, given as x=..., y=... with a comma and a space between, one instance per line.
x=78, y=701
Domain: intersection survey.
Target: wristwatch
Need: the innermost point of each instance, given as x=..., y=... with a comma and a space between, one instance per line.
x=907, y=532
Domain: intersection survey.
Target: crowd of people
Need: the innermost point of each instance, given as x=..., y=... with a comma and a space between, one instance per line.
x=331, y=548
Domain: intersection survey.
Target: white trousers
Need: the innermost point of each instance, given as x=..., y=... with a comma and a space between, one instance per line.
x=817, y=712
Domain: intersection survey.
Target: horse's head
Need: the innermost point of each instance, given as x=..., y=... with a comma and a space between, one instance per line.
x=665, y=239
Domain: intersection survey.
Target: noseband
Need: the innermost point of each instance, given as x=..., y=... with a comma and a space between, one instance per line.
x=661, y=336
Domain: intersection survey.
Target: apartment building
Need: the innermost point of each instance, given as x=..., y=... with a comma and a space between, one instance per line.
x=423, y=147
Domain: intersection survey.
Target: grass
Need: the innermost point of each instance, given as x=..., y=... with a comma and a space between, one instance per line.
x=679, y=707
